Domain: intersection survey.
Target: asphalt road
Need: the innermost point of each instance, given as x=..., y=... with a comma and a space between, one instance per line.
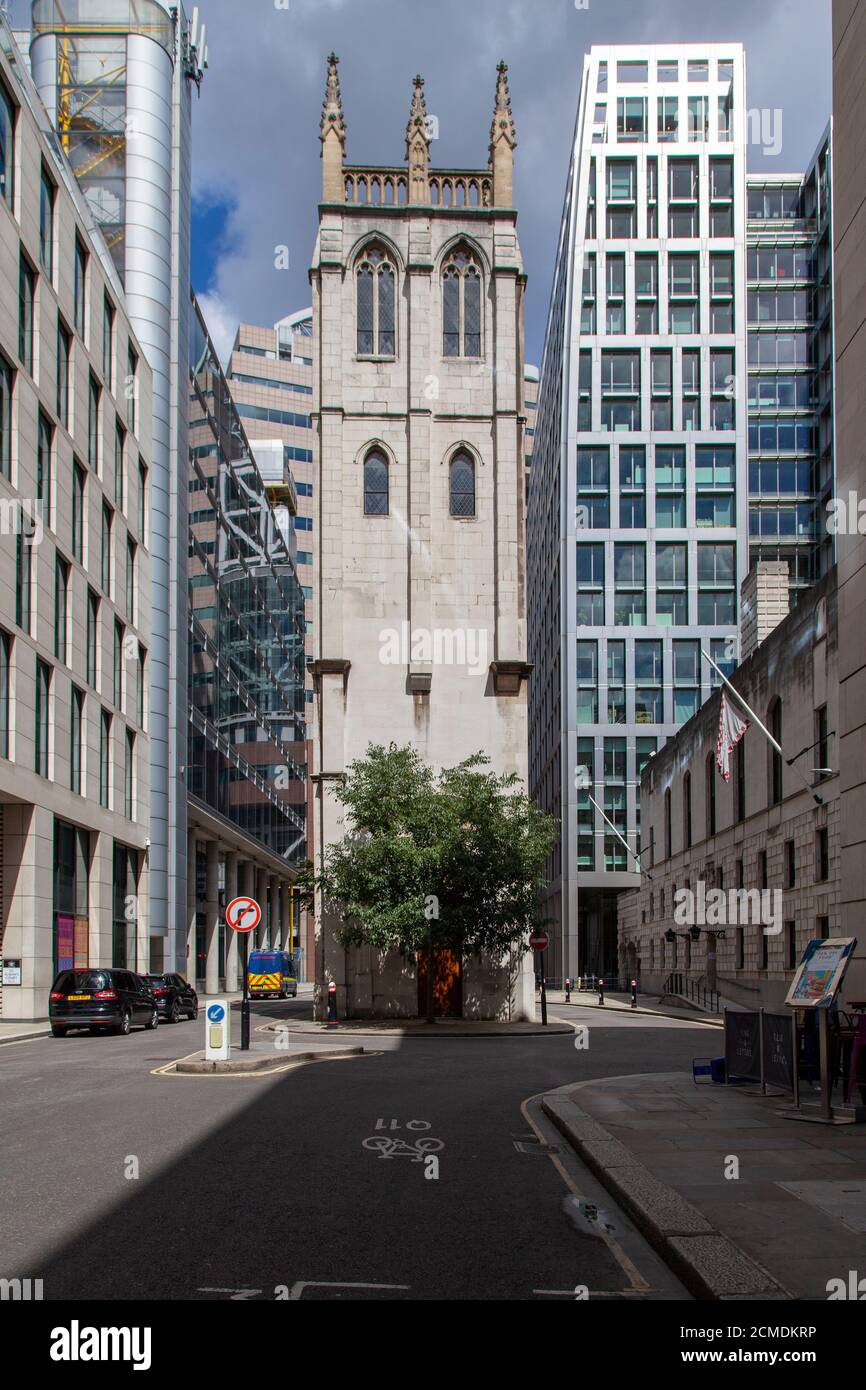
x=124, y=1184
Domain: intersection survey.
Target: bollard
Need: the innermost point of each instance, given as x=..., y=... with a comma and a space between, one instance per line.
x=568, y=990
x=601, y=991
x=332, y=1005
x=634, y=994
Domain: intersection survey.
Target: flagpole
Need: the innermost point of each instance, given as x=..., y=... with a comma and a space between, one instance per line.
x=634, y=854
x=764, y=730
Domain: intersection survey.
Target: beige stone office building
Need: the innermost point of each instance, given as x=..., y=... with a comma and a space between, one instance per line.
x=738, y=876
x=75, y=413
x=418, y=289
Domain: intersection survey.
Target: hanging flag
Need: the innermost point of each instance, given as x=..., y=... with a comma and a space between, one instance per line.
x=731, y=730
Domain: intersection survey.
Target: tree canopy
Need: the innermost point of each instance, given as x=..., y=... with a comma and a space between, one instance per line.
x=451, y=858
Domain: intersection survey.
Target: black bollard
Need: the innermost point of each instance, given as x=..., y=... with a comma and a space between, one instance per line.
x=332, y=1005
x=601, y=991
x=568, y=989
x=634, y=994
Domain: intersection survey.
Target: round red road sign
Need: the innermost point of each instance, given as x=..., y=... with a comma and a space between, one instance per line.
x=539, y=941
x=243, y=914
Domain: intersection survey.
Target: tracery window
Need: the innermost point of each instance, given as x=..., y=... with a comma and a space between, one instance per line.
x=461, y=306
x=376, y=283
x=461, y=485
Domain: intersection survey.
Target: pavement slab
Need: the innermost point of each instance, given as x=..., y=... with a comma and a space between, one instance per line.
x=792, y=1217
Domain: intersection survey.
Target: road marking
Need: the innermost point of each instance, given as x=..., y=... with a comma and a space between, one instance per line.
x=298, y=1289
x=636, y=1280
x=592, y=1293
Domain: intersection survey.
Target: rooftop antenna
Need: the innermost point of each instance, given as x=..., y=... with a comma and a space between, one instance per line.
x=193, y=28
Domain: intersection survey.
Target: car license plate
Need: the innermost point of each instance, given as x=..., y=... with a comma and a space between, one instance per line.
x=77, y=998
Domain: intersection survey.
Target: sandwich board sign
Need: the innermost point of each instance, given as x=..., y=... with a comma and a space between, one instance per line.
x=821, y=972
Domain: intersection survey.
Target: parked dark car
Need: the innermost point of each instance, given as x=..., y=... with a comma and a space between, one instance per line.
x=101, y=999
x=175, y=997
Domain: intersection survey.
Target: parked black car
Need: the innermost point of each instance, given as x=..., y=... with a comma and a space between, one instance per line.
x=175, y=997
x=101, y=999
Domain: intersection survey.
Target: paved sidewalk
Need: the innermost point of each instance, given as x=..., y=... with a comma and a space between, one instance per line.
x=793, y=1219
x=410, y=1028
x=646, y=1004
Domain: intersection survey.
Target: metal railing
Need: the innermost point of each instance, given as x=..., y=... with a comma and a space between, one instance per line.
x=695, y=990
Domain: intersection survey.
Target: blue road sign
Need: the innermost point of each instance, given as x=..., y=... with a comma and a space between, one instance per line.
x=215, y=1013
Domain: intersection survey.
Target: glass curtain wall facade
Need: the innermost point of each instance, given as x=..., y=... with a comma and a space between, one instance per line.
x=246, y=627
x=638, y=503
x=790, y=309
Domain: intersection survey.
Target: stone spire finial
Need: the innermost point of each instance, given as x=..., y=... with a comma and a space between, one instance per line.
x=333, y=137
x=418, y=146
x=503, y=139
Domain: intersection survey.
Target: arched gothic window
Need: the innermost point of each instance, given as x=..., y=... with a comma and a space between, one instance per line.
x=461, y=306
x=376, y=283
x=375, y=484
x=461, y=485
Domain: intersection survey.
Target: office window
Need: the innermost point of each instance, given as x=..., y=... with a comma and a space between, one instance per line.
x=587, y=682
x=670, y=485
x=661, y=389
x=710, y=776
x=7, y=378
x=646, y=294
x=593, y=483
x=23, y=579
x=621, y=198
x=108, y=343
x=715, y=480
x=588, y=307
x=584, y=390
x=92, y=636
x=698, y=70
x=130, y=579
x=80, y=289
x=93, y=397
x=461, y=485
x=141, y=685
x=590, y=585
x=672, y=594
x=691, y=388
x=7, y=147
x=590, y=203
x=822, y=742
x=461, y=306
x=791, y=945
x=632, y=487
x=131, y=387
x=722, y=293
x=739, y=779
x=687, y=679
x=822, y=928
x=632, y=70
x=26, y=307
x=667, y=70
x=76, y=738
x=78, y=504
x=129, y=776
x=61, y=608
x=42, y=725
x=47, y=193
x=699, y=118
x=375, y=484
x=822, y=855
x=616, y=699
x=648, y=680
x=117, y=684
x=683, y=198
x=652, y=195
x=119, y=447
x=684, y=294
x=64, y=355
x=790, y=864
x=631, y=118
x=105, y=759
x=142, y=503
x=105, y=569
x=620, y=391
x=5, y=691
x=668, y=118
x=601, y=84
x=716, y=584
x=615, y=293
x=44, y=443
x=723, y=388
x=629, y=577
x=585, y=808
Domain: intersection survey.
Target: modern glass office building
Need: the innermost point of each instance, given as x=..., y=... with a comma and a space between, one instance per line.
x=790, y=311
x=246, y=777
x=638, y=510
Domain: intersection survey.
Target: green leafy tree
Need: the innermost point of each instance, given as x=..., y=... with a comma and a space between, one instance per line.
x=434, y=860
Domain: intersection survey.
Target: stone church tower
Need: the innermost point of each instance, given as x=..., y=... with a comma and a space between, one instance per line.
x=417, y=290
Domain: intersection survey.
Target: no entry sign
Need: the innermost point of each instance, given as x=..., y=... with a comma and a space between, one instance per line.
x=539, y=941
x=243, y=914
